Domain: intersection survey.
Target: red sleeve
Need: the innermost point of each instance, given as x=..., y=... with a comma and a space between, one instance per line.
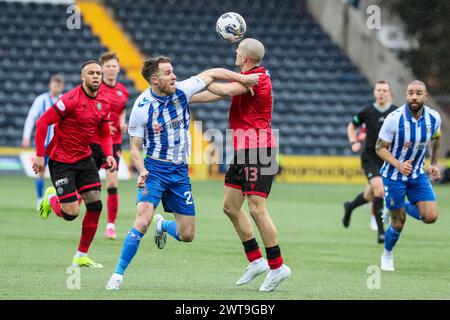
x=64, y=105
x=105, y=137
x=126, y=98
x=49, y=117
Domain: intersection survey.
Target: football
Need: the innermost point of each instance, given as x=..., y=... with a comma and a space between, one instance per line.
x=231, y=26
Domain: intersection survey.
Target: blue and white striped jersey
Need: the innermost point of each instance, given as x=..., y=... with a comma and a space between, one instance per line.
x=163, y=122
x=41, y=104
x=409, y=139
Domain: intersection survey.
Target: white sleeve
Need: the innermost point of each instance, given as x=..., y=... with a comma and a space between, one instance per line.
x=191, y=86
x=389, y=128
x=34, y=113
x=138, y=120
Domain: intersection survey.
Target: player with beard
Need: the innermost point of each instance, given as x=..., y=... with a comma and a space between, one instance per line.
x=403, y=144
x=77, y=116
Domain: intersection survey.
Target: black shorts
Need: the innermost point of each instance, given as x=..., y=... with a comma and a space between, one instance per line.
x=372, y=167
x=100, y=157
x=70, y=178
x=252, y=171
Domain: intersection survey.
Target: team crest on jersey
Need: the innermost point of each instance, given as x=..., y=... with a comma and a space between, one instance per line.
x=61, y=105
x=176, y=103
x=99, y=106
x=119, y=93
x=407, y=145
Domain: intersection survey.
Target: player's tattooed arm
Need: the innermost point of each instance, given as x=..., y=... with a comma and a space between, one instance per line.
x=435, y=147
x=433, y=169
x=138, y=161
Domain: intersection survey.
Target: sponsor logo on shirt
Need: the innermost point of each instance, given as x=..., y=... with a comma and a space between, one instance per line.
x=157, y=128
x=99, y=106
x=61, y=105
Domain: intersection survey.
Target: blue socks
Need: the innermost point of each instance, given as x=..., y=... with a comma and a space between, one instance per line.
x=412, y=211
x=170, y=226
x=390, y=238
x=129, y=249
x=39, y=183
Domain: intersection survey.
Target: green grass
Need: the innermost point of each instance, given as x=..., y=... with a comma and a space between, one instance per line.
x=328, y=261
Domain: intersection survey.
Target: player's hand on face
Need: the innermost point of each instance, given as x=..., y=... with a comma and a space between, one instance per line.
x=405, y=168
x=38, y=164
x=26, y=143
x=356, y=147
x=434, y=173
x=141, y=179
x=251, y=80
x=112, y=164
x=124, y=127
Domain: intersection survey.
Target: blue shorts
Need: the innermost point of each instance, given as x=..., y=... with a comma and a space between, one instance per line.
x=170, y=183
x=416, y=190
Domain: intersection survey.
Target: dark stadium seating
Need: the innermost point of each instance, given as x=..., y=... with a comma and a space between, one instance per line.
x=316, y=87
x=34, y=44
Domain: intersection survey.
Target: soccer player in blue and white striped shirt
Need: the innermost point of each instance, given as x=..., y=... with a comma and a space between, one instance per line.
x=403, y=143
x=39, y=106
x=159, y=123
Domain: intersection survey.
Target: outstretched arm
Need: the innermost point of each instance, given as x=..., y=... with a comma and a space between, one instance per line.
x=216, y=91
x=205, y=97
x=211, y=75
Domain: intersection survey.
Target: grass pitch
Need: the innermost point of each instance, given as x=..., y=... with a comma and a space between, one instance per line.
x=328, y=261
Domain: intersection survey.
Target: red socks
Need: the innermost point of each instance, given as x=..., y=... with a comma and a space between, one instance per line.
x=90, y=224
x=274, y=257
x=113, y=205
x=54, y=202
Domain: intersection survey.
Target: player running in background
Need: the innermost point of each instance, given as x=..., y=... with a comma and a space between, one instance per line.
x=117, y=95
x=39, y=106
x=161, y=118
x=250, y=176
x=77, y=116
x=403, y=144
x=372, y=116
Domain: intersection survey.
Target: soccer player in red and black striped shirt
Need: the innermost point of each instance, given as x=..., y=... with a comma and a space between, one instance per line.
x=254, y=166
x=77, y=116
x=117, y=95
